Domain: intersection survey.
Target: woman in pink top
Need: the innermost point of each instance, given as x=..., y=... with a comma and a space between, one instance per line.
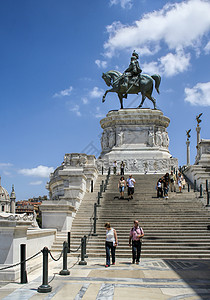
x=136, y=234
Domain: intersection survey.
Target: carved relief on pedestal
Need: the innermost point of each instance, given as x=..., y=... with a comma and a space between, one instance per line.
x=165, y=139
x=111, y=139
x=151, y=138
x=104, y=141
x=119, y=139
x=159, y=139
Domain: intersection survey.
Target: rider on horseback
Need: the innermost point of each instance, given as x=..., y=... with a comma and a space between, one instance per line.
x=132, y=73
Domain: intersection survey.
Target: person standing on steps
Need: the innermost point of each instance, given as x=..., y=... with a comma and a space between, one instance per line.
x=121, y=186
x=172, y=182
x=115, y=167
x=130, y=184
x=111, y=244
x=122, y=167
x=159, y=188
x=136, y=234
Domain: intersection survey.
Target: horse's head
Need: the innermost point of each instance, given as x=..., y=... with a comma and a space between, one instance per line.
x=106, y=78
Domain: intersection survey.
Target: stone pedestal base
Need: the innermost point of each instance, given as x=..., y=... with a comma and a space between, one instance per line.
x=58, y=215
x=138, y=137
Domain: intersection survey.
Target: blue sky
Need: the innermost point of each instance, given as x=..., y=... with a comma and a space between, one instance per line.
x=52, y=56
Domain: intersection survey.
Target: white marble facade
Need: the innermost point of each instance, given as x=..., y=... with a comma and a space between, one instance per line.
x=200, y=171
x=138, y=137
x=67, y=187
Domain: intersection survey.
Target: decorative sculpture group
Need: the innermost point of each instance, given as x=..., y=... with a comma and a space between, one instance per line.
x=110, y=139
x=132, y=82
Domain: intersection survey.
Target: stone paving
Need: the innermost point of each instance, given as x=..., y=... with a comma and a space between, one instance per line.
x=152, y=279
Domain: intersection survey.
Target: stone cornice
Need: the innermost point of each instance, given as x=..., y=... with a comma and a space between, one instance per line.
x=126, y=117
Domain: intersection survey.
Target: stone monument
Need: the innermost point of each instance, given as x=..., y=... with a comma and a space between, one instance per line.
x=139, y=138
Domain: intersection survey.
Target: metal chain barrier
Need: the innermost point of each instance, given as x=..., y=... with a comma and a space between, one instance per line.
x=11, y=266
x=55, y=259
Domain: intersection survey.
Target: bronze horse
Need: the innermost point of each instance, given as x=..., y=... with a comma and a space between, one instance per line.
x=145, y=86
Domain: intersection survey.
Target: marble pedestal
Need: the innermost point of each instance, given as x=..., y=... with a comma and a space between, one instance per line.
x=139, y=138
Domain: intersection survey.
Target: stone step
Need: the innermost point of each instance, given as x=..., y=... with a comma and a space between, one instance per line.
x=174, y=228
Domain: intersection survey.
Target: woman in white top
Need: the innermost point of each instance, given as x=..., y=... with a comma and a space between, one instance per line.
x=111, y=243
x=121, y=186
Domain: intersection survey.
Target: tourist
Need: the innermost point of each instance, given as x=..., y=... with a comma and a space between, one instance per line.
x=172, y=182
x=115, y=167
x=130, y=184
x=122, y=167
x=111, y=243
x=165, y=188
x=121, y=186
x=179, y=181
x=159, y=188
x=167, y=179
x=136, y=234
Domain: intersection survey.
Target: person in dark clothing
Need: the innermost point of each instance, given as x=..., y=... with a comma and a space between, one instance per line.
x=122, y=167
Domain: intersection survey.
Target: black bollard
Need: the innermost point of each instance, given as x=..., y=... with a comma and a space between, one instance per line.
x=69, y=241
x=188, y=187
x=45, y=287
x=201, y=191
x=65, y=271
x=101, y=191
x=207, y=186
x=23, y=272
x=102, y=170
x=208, y=197
x=98, y=201
x=82, y=261
x=94, y=218
x=91, y=189
x=85, y=246
x=194, y=185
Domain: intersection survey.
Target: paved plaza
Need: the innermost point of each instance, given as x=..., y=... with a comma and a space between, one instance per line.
x=151, y=279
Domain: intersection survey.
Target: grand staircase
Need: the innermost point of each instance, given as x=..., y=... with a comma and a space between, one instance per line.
x=174, y=228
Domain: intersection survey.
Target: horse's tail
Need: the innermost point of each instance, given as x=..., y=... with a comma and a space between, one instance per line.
x=157, y=80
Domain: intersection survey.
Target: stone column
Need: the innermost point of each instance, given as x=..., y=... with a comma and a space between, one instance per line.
x=12, y=200
x=188, y=152
x=198, y=129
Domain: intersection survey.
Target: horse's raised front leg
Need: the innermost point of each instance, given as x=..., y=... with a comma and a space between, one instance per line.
x=142, y=100
x=104, y=96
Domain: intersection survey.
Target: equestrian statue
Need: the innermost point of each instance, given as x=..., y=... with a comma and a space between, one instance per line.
x=132, y=82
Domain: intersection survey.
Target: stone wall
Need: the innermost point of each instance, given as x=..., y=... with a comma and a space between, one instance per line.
x=67, y=187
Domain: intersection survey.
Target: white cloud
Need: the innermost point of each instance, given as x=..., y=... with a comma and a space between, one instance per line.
x=96, y=92
x=40, y=171
x=7, y=173
x=123, y=3
x=76, y=110
x=172, y=64
x=5, y=165
x=151, y=68
x=101, y=63
x=39, y=182
x=179, y=25
x=85, y=100
x=63, y=93
x=207, y=48
x=169, y=65
x=199, y=95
